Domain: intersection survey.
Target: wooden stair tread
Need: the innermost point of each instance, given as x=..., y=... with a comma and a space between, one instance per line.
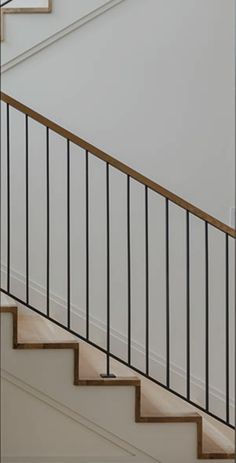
x=125, y=381
x=215, y=441
x=34, y=328
x=212, y=446
x=224, y=442
x=208, y=447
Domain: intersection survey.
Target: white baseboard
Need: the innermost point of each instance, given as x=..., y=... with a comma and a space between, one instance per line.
x=119, y=344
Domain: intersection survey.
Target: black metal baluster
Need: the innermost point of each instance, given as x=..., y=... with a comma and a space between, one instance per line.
x=207, y=318
x=0, y=222
x=8, y=201
x=87, y=239
x=147, y=279
x=108, y=374
x=227, y=325
x=187, y=306
x=68, y=236
x=129, y=269
x=48, y=222
x=167, y=299
x=27, y=207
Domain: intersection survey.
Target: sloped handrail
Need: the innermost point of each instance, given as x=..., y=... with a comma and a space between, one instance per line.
x=186, y=265
x=119, y=165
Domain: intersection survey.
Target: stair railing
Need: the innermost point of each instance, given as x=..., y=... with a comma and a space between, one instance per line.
x=169, y=198
x=5, y=3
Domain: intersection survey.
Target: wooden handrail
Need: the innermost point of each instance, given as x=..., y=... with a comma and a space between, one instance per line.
x=119, y=165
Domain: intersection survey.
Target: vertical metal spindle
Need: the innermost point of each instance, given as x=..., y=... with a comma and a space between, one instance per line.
x=187, y=307
x=8, y=201
x=207, y=318
x=147, y=279
x=227, y=325
x=129, y=270
x=108, y=268
x=87, y=239
x=108, y=373
x=167, y=299
x=68, y=235
x=48, y=222
x=0, y=221
x=27, y=207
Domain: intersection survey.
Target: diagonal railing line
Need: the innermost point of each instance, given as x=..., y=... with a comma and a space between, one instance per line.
x=90, y=151
x=119, y=165
x=5, y=3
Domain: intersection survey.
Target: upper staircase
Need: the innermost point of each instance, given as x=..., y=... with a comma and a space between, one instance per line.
x=12, y=7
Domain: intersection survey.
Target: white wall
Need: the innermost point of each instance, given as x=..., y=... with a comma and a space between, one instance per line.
x=53, y=434
x=152, y=83
x=86, y=424
x=27, y=4
x=189, y=105
x=17, y=43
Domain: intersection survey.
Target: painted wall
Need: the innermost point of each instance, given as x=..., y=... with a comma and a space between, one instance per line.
x=27, y=4
x=86, y=424
x=64, y=14
x=152, y=83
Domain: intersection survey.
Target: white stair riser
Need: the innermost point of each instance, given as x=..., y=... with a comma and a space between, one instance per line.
x=51, y=372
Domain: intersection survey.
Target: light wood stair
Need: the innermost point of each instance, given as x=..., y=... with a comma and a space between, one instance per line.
x=31, y=331
x=22, y=10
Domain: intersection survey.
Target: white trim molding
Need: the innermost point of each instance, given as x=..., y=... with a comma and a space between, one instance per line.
x=59, y=35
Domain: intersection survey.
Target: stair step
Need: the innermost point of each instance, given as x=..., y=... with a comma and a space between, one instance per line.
x=153, y=405
x=12, y=9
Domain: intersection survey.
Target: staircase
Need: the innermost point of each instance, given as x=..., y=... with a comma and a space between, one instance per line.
x=197, y=412
x=31, y=333
x=14, y=9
